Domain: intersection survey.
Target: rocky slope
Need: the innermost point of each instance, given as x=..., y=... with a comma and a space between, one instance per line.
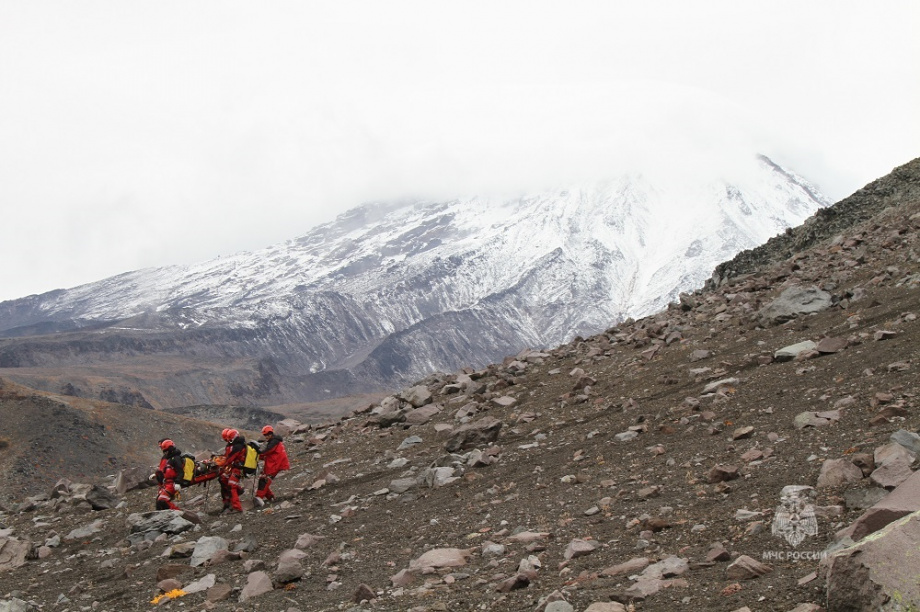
x=391, y=291
x=643, y=466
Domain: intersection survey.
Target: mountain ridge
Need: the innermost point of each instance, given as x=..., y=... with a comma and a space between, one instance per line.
x=364, y=299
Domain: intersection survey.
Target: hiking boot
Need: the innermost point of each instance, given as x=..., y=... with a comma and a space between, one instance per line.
x=258, y=501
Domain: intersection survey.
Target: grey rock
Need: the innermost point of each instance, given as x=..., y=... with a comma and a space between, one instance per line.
x=579, y=548
x=417, y=396
x=86, y=531
x=794, y=302
x=202, y=584
x=13, y=553
x=289, y=566
x=162, y=521
x=401, y=485
x=205, y=548
x=788, y=353
x=409, y=442
x=476, y=434
x=861, y=499
x=15, y=605
x=132, y=478
x=907, y=439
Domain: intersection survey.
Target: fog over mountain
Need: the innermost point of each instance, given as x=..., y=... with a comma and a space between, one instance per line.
x=393, y=290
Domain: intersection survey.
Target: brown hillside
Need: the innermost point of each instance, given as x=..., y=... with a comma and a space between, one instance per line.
x=663, y=440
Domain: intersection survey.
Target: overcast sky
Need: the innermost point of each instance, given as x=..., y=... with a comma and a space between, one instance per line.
x=136, y=134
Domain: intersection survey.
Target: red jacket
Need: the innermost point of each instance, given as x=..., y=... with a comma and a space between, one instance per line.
x=167, y=470
x=275, y=456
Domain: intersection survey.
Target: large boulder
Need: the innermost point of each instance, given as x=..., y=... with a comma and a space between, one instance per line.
x=904, y=500
x=475, y=434
x=13, y=553
x=417, y=396
x=438, y=558
x=875, y=574
x=290, y=567
x=838, y=472
x=99, y=498
x=257, y=583
x=206, y=547
x=149, y=525
x=132, y=478
x=793, y=302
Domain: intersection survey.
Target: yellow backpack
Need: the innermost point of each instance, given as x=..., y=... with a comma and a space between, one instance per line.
x=186, y=469
x=252, y=459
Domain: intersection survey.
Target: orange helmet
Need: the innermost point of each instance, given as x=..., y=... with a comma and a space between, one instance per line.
x=231, y=435
x=166, y=444
x=268, y=429
x=224, y=433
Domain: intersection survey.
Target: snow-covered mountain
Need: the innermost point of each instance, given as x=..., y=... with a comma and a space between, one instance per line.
x=391, y=291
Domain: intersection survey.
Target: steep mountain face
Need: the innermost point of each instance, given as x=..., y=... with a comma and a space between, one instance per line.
x=391, y=291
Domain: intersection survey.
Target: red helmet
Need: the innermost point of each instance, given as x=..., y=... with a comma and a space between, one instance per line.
x=166, y=444
x=268, y=429
x=224, y=433
x=231, y=435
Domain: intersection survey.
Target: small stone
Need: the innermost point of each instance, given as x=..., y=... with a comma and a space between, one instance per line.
x=746, y=568
x=742, y=432
x=721, y=473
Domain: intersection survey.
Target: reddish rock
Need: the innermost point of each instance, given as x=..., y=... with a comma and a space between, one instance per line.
x=746, y=568
x=891, y=474
x=363, y=593
x=838, y=472
x=518, y=581
x=876, y=571
x=169, y=584
x=219, y=592
x=440, y=557
x=579, y=548
x=722, y=473
x=402, y=578
x=904, y=500
x=257, y=583
x=632, y=566
x=831, y=345
x=742, y=432
x=171, y=570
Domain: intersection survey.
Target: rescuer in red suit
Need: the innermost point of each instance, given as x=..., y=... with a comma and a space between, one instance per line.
x=231, y=471
x=275, y=457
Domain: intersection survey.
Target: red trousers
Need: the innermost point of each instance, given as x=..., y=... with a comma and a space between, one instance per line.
x=265, y=482
x=165, y=496
x=230, y=488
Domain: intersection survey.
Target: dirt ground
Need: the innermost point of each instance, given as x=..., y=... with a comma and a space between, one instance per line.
x=561, y=470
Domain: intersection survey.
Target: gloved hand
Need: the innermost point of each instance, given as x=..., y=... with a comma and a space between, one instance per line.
x=178, y=486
